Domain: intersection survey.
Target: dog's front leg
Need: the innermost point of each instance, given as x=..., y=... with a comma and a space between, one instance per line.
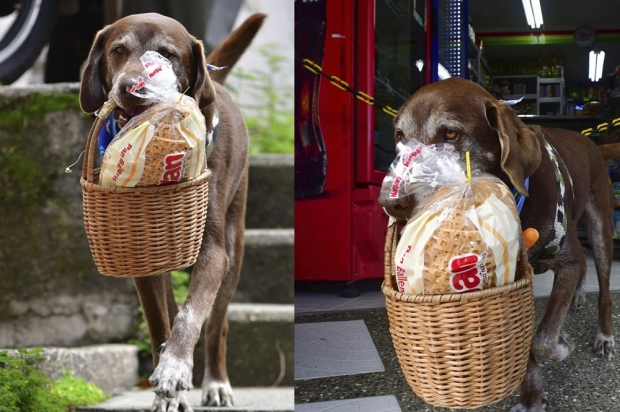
x=174, y=370
x=533, y=398
x=549, y=342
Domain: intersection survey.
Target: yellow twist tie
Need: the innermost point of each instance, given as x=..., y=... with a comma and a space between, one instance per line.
x=468, y=166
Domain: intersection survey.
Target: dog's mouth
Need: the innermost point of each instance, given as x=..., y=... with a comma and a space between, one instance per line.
x=125, y=115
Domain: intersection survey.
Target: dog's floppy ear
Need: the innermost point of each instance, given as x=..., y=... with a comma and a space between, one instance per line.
x=92, y=93
x=202, y=90
x=521, y=151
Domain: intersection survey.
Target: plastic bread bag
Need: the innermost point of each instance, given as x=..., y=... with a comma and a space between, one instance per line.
x=463, y=237
x=166, y=143
x=419, y=167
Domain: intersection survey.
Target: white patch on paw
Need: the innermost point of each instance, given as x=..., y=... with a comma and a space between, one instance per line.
x=561, y=352
x=172, y=375
x=218, y=393
x=604, y=345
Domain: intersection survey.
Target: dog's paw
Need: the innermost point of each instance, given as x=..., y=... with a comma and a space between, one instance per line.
x=172, y=375
x=217, y=393
x=541, y=406
x=177, y=404
x=604, y=346
x=565, y=347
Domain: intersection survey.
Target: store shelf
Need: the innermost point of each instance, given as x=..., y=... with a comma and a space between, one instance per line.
x=517, y=76
x=550, y=100
x=546, y=80
x=518, y=96
x=553, y=104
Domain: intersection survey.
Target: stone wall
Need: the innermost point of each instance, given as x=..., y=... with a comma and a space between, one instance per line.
x=50, y=290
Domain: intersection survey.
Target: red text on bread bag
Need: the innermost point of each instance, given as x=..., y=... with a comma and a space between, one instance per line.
x=173, y=168
x=467, y=272
x=401, y=277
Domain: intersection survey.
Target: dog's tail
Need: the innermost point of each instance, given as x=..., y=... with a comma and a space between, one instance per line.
x=232, y=48
x=610, y=151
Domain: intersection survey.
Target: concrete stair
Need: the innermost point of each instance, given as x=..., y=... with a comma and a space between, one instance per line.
x=246, y=400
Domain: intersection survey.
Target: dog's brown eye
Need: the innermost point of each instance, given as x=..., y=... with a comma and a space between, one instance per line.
x=119, y=50
x=451, y=134
x=166, y=54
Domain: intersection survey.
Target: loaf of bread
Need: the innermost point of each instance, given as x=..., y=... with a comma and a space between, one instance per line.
x=463, y=238
x=165, y=144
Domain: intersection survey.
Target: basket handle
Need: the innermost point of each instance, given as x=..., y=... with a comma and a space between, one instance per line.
x=91, y=144
x=391, y=241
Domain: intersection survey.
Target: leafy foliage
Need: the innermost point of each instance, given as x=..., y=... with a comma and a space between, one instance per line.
x=24, y=388
x=270, y=121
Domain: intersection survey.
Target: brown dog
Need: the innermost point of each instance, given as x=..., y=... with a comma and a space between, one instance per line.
x=568, y=182
x=113, y=60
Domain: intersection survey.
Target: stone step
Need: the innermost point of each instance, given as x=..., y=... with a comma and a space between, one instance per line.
x=270, y=191
x=246, y=400
x=260, y=346
x=260, y=353
x=267, y=271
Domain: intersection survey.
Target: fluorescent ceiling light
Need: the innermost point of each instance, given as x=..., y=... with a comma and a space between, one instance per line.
x=533, y=13
x=442, y=73
x=596, y=65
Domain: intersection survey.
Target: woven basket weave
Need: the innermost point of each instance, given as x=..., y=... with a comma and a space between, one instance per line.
x=141, y=231
x=460, y=350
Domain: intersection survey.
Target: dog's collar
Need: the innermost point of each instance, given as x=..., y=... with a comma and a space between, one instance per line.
x=560, y=222
x=520, y=198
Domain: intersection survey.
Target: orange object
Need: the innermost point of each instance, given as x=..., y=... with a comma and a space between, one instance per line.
x=530, y=236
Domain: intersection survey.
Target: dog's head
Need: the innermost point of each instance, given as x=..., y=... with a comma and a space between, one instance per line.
x=114, y=60
x=462, y=113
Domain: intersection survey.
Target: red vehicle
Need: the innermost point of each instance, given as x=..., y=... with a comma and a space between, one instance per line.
x=343, y=145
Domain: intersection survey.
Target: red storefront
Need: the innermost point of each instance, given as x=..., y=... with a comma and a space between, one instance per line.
x=343, y=145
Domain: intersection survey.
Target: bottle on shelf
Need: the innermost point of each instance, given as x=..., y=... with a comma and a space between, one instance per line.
x=543, y=67
x=557, y=66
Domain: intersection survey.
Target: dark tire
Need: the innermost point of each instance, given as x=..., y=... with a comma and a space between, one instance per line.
x=24, y=40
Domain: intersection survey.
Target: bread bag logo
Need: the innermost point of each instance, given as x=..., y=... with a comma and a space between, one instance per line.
x=401, y=274
x=468, y=272
x=173, y=168
x=395, y=185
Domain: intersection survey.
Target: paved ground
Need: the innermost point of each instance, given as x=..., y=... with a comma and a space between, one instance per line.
x=246, y=400
x=583, y=382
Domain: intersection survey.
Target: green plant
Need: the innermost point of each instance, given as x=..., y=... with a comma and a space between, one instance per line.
x=270, y=121
x=180, y=285
x=24, y=388
x=75, y=391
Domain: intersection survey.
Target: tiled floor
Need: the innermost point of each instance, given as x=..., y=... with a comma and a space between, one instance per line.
x=340, y=348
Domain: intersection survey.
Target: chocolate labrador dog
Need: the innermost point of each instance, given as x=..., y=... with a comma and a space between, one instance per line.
x=113, y=60
x=564, y=177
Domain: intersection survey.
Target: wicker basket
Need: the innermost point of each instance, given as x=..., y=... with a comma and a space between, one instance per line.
x=460, y=350
x=141, y=231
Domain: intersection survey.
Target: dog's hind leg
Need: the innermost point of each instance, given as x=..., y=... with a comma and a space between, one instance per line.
x=159, y=307
x=579, y=298
x=599, y=221
x=549, y=342
x=216, y=389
